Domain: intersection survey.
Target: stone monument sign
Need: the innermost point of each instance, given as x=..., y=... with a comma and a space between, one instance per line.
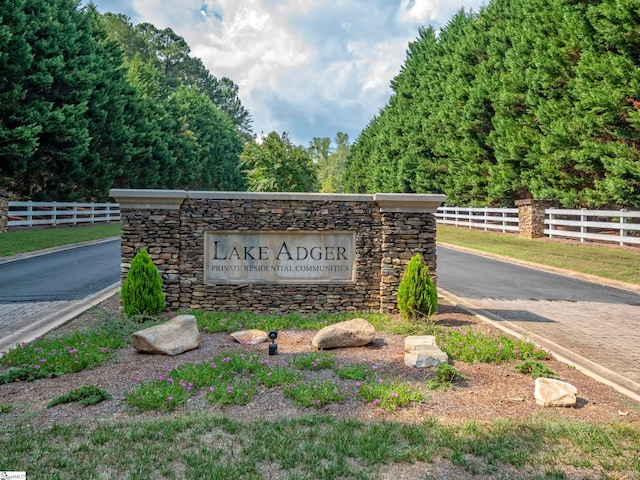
x=278, y=251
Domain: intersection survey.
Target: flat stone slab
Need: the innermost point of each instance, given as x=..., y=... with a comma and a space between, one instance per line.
x=249, y=337
x=422, y=351
x=178, y=335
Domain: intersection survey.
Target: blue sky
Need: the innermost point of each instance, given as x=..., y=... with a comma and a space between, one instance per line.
x=307, y=67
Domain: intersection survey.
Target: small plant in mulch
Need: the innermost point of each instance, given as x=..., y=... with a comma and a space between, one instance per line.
x=417, y=293
x=469, y=346
x=445, y=375
x=141, y=292
x=388, y=394
x=356, y=371
x=535, y=369
x=85, y=395
x=5, y=408
x=315, y=394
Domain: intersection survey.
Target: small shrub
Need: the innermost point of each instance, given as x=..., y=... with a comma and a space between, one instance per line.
x=417, y=294
x=85, y=395
x=445, y=375
x=535, y=369
x=5, y=408
x=141, y=292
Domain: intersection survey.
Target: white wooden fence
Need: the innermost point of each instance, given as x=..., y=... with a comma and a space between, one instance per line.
x=29, y=214
x=485, y=218
x=620, y=226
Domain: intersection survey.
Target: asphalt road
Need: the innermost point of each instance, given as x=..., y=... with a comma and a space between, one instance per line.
x=475, y=277
x=71, y=274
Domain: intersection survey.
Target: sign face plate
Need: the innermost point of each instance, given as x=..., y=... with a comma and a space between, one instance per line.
x=298, y=257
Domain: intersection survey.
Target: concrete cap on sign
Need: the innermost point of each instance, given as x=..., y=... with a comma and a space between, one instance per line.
x=148, y=198
x=318, y=197
x=408, y=202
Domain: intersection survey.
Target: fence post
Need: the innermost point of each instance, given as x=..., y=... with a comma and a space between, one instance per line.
x=583, y=226
x=486, y=218
x=552, y=216
x=53, y=214
x=4, y=210
x=531, y=217
x=623, y=231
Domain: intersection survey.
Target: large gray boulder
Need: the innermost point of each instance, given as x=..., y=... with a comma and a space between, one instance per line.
x=421, y=351
x=178, y=335
x=351, y=333
x=554, y=393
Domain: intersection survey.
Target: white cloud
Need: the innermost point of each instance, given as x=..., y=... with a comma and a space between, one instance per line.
x=308, y=67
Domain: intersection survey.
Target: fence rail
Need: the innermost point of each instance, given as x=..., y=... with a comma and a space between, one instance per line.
x=485, y=218
x=30, y=214
x=619, y=226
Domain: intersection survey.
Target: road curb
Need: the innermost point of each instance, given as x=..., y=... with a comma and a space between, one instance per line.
x=56, y=319
x=599, y=373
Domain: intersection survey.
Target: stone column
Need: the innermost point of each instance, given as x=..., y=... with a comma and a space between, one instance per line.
x=151, y=219
x=4, y=210
x=408, y=227
x=531, y=216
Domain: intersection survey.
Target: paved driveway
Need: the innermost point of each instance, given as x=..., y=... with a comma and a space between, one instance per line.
x=593, y=326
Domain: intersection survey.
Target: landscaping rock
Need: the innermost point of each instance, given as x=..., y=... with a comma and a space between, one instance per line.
x=178, y=335
x=352, y=333
x=421, y=351
x=554, y=393
x=249, y=337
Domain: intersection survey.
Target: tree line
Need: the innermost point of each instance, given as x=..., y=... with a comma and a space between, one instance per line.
x=91, y=101
x=524, y=99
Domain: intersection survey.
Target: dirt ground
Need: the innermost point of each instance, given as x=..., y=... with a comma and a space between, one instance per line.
x=490, y=391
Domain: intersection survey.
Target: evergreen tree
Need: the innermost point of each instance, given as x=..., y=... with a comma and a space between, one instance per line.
x=276, y=165
x=18, y=132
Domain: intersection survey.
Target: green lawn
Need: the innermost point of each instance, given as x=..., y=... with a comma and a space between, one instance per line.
x=22, y=241
x=218, y=443
x=601, y=260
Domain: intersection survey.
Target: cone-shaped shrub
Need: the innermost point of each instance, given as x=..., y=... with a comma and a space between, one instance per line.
x=141, y=292
x=417, y=294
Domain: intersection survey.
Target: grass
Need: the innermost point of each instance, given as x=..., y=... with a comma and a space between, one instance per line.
x=603, y=261
x=470, y=347
x=22, y=241
x=208, y=445
x=73, y=352
x=85, y=395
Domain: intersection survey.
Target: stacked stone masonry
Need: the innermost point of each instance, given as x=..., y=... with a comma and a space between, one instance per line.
x=4, y=209
x=531, y=217
x=389, y=229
